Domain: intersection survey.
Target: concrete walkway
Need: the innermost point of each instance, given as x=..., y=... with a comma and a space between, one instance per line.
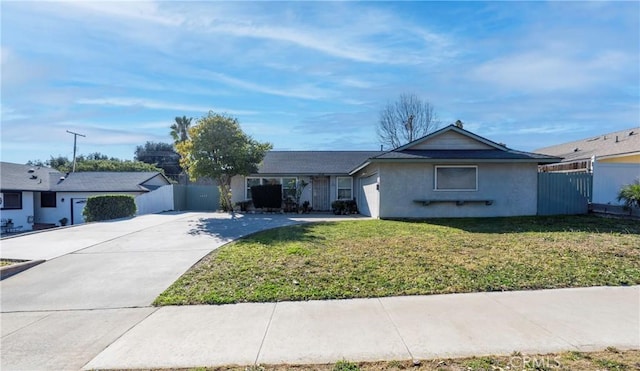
x=89, y=307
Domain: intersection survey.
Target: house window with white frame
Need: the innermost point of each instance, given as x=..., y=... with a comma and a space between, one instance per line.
x=456, y=178
x=345, y=188
x=288, y=185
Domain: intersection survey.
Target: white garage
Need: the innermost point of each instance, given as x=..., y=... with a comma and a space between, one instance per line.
x=369, y=197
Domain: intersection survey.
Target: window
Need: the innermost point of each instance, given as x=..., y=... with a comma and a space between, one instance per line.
x=12, y=200
x=456, y=178
x=288, y=185
x=344, y=188
x=271, y=181
x=48, y=199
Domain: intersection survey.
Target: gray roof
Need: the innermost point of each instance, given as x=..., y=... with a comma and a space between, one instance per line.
x=611, y=144
x=18, y=177
x=104, y=182
x=313, y=162
x=477, y=154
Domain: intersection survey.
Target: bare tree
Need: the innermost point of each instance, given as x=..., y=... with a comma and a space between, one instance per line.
x=406, y=120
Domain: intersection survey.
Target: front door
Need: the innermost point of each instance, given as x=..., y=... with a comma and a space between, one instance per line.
x=320, y=189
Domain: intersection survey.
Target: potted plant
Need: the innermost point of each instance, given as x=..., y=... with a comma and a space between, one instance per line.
x=305, y=207
x=63, y=221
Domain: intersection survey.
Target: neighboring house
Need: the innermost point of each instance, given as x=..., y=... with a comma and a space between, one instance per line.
x=613, y=158
x=70, y=192
x=19, y=186
x=40, y=195
x=449, y=173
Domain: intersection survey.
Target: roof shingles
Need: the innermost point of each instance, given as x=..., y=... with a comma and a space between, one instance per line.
x=104, y=182
x=313, y=162
x=611, y=144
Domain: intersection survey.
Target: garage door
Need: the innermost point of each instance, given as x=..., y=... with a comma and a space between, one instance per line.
x=369, y=197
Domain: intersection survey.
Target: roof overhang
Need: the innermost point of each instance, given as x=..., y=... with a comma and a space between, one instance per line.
x=454, y=161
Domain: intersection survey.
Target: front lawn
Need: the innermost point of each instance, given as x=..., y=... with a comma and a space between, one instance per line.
x=373, y=258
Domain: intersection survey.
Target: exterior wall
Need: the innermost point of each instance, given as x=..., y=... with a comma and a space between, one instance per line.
x=20, y=217
x=608, y=178
x=155, y=201
x=511, y=187
x=63, y=208
x=633, y=159
x=157, y=180
x=451, y=140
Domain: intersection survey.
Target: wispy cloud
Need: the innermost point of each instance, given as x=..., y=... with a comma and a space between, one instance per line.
x=307, y=91
x=156, y=105
x=542, y=71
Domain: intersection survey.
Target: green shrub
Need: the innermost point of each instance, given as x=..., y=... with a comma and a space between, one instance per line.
x=344, y=207
x=345, y=365
x=108, y=207
x=630, y=194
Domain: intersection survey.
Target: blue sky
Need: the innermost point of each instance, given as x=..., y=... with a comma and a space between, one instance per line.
x=312, y=75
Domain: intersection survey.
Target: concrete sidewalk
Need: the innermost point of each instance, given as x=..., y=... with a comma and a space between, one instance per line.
x=398, y=328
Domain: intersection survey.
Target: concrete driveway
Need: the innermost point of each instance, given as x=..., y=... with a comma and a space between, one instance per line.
x=100, y=279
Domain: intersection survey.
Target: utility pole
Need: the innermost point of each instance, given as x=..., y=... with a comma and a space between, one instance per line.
x=75, y=137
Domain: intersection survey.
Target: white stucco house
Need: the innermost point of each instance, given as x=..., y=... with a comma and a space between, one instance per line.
x=35, y=195
x=448, y=173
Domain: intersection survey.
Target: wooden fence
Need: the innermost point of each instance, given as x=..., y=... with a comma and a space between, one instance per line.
x=564, y=193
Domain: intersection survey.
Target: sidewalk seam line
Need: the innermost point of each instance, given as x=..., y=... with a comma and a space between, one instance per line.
x=396, y=328
x=266, y=331
x=28, y=325
x=120, y=336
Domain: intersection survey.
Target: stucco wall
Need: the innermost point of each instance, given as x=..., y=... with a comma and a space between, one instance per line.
x=632, y=159
x=20, y=217
x=511, y=187
x=157, y=180
x=608, y=178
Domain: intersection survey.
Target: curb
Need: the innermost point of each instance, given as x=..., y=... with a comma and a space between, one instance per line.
x=10, y=270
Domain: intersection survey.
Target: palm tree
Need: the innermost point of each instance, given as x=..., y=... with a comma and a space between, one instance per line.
x=630, y=194
x=180, y=130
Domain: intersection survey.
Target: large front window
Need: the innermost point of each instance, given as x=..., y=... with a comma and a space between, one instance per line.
x=288, y=185
x=11, y=200
x=456, y=178
x=345, y=185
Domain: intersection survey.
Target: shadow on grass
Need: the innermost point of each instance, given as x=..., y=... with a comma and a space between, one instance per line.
x=561, y=223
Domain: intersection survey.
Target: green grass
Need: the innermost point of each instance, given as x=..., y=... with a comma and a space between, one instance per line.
x=4, y=263
x=374, y=258
x=593, y=361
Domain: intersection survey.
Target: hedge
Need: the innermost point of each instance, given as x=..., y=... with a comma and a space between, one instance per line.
x=108, y=207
